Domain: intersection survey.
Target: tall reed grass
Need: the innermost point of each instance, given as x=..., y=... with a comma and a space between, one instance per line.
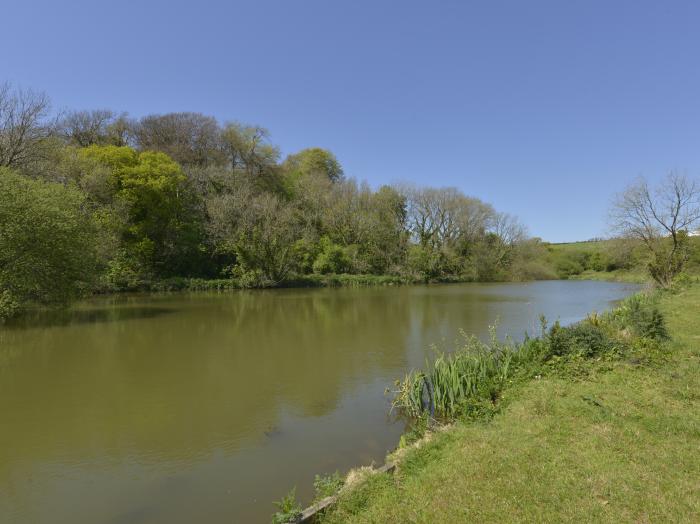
x=472, y=378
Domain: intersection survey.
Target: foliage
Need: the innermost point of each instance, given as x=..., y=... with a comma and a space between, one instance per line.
x=640, y=314
x=289, y=509
x=161, y=233
x=48, y=250
x=599, y=448
x=9, y=306
x=345, y=280
x=328, y=485
x=459, y=381
x=660, y=218
x=331, y=259
x=585, y=339
x=469, y=382
x=624, y=259
x=180, y=196
x=315, y=162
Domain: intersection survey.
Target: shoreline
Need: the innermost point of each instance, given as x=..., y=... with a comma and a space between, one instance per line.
x=345, y=280
x=411, y=442
x=428, y=450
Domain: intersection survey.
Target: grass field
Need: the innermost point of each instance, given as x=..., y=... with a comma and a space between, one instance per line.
x=618, y=441
x=610, y=260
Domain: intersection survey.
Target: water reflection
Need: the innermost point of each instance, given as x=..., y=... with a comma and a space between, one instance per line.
x=205, y=407
x=64, y=317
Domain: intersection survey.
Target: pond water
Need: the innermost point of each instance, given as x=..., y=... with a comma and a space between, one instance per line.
x=181, y=408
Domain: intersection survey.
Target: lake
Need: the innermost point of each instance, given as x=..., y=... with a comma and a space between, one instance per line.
x=206, y=407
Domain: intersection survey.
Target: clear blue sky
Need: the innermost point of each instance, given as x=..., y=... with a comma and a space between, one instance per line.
x=544, y=109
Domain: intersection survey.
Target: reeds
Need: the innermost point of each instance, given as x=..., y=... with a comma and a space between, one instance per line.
x=471, y=379
x=474, y=373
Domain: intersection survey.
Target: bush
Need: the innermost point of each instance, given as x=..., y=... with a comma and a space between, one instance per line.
x=8, y=304
x=567, y=267
x=468, y=382
x=328, y=485
x=584, y=339
x=289, y=509
x=331, y=259
x=640, y=315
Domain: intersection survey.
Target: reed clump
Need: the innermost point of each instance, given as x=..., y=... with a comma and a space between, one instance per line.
x=468, y=382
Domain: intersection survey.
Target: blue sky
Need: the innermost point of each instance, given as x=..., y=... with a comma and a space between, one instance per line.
x=544, y=109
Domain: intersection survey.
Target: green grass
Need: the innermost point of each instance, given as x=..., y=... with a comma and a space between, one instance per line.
x=613, y=440
x=610, y=260
x=590, y=246
x=634, y=276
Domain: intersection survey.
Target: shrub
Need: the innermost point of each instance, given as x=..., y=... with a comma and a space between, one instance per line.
x=468, y=382
x=584, y=338
x=328, y=485
x=641, y=316
x=331, y=259
x=8, y=304
x=289, y=509
x=566, y=267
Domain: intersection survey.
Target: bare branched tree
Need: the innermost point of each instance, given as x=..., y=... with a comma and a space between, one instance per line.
x=191, y=139
x=23, y=125
x=85, y=128
x=661, y=219
x=445, y=216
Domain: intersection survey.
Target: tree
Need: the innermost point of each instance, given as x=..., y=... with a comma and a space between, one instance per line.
x=315, y=162
x=95, y=127
x=388, y=236
x=494, y=254
x=660, y=218
x=23, y=128
x=47, y=243
x=162, y=234
x=120, y=131
x=440, y=217
x=85, y=128
x=188, y=138
x=262, y=231
x=248, y=152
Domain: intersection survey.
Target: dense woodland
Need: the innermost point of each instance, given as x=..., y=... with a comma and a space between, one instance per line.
x=97, y=201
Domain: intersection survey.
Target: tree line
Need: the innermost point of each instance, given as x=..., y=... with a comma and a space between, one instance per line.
x=95, y=200
x=98, y=201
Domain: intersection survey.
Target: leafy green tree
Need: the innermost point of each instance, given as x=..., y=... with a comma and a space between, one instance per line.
x=331, y=259
x=388, y=237
x=248, y=152
x=162, y=234
x=262, y=231
x=48, y=251
x=315, y=161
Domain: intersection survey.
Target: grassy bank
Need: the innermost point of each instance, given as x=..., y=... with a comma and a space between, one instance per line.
x=633, y=276
x=609, y=438
x=610, y=260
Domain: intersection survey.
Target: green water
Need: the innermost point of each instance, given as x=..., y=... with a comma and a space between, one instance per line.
x=187, y=408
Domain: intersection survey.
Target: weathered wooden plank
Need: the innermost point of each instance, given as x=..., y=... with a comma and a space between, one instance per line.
x=322, y=504
x=307, y=516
